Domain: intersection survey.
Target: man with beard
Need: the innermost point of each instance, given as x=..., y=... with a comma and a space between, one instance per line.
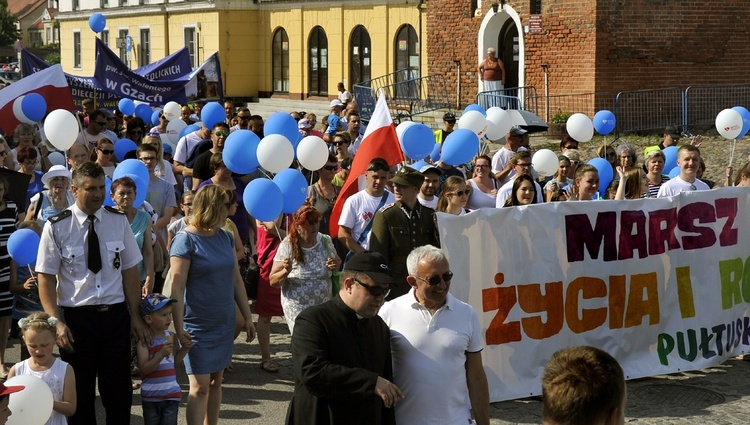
x=428, y=191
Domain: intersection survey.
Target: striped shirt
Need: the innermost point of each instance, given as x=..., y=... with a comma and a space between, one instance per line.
x=161, y=384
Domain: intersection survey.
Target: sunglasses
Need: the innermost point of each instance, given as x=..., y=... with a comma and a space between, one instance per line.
x=148, y=159
x=221, y=134
x=375, y=291
x=188, y=204
x=106, y=151
x=462, y=193
x=330, y=167
x=435, y=280
x=338, y=143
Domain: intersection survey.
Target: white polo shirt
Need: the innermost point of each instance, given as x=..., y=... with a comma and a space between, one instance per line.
x=677, y=185
x=63, y=251
x=429, y=358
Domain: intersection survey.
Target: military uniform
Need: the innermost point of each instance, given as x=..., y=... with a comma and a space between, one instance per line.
x=396, y=231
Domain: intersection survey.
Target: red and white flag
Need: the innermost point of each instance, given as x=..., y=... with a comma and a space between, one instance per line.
x=50, y=83
x=380, y=141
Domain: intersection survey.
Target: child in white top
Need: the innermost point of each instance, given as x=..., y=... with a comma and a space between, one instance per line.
x=39, y=331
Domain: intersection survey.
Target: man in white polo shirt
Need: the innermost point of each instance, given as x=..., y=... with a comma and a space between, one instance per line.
x=436, y=344
x=689, y=161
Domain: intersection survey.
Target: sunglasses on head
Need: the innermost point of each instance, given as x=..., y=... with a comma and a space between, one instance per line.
x=435, y=280
x=374, y=290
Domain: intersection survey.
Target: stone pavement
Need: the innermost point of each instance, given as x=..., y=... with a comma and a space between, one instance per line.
x=718, y=395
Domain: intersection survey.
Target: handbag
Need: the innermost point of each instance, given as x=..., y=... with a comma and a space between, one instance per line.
x=335, y=274
x=250, y=272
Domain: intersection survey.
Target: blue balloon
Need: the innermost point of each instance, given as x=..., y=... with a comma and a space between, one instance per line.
x=293, y=187
x=460, y=147
x=122, y=147
x=34, y=106
x=743, y=112
x=419, y=164
x=263, y=199
x=108, y=201
x=475, y=107
x=143, y=112
x=435, y=154
x=417, y=141
x=97, y=22
x=23, y=245
x=154, y=120
x=212, y=113
x=671, y=158
x=605, y=174
x=192, y=128
x=674, y=173
x=604, y=122
x=126, y=106
x=131, y=166
x=240, y=152
x=282, y=123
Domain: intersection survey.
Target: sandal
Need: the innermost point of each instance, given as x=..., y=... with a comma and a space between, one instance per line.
x=269, y=366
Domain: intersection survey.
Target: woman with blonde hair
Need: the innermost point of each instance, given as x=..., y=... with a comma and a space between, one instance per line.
x=633, y=183
x=207, y=284
x=454, y=196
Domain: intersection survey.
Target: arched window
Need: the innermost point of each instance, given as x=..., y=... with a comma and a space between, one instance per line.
x=280, y=61
x=407, y=50
x=318, y=62
x=359, y=56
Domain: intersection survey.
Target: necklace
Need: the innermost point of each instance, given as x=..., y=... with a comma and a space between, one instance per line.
x=321, y=192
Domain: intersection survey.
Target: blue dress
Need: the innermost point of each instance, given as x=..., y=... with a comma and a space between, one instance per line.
x=209, y=299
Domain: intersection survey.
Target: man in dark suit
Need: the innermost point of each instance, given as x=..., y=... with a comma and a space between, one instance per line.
x=342, y=354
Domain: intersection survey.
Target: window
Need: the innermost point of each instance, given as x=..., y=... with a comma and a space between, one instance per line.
x=191, y=42
x=318, y=62
x=77, y=49
x=359, y=56
x=123, y=50
x=76, y=5
x=48, y=34
x=280, y=49
x=144, y=51
x=105, y=37
x=407, y=61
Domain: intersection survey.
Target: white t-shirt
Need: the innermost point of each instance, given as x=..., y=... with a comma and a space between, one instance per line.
x=359, y=209
x=185, y=146
x=430, y=204
x=677, y=185
x=505, y=190
x=500, y=161
x=479, y=199
x=345, y=96
x=429, y=358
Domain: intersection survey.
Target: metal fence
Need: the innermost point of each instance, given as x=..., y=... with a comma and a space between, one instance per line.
x=643, y=110
x=703, y=103
x=585, y=103
x=510, y=98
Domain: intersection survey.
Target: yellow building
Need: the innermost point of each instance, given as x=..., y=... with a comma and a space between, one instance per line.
x=266, y=48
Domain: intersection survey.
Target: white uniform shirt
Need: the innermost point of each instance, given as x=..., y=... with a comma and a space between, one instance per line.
x=677, y=185
x=358, y=210
x=63, y=251
x=429, y=358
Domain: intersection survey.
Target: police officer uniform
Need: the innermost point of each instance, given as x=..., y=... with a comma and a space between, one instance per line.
x=398, y=229
x=93, y=304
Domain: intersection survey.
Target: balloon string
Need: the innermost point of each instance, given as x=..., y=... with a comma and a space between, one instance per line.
x=731, y=152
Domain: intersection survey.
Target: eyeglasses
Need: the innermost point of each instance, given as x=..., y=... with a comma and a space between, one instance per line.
x=482, y=166
x=338, y=143
x=221, y=134
x=188, y=204
x=148, y=159
x=435, y=280
x=462, y=193
x=243, y=118
x=375, y=290
x=106, y=151
x=330, y=167
x=523, y=165
x=101, y=123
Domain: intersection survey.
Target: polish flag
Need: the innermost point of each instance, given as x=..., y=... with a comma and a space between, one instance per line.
x=50, y=83
x=380, y=141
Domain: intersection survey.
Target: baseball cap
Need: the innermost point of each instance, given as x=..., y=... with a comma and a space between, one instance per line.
x=449, y=116
x=408, y=176
x=154, y=302
x=517, y=131
x=430, y=167
x=372, y=264
x=10, y=390
x=336, y=102
x=672, y=132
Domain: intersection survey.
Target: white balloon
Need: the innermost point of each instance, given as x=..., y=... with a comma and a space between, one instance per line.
x=33, y=404
x=729, y=123
x=499, y=123
x=545, y=162
x=61, y=128
x=401, y=128
x=18, y=112
x=275, y=153
x=474, y=121
x=56, y=158
x=580, y=127
x=172, y=110
x=312, y=152
x=173, y=130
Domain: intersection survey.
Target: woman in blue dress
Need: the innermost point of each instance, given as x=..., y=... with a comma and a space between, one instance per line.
x=206, y=282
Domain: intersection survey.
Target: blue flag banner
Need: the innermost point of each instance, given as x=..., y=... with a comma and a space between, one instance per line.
x=173, y=67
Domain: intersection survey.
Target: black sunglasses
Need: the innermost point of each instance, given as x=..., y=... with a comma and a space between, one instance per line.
x=462, y=193
x=106, y=151
x=435, y=280
x=338, y=143
x=330, y=167
x=376, y=290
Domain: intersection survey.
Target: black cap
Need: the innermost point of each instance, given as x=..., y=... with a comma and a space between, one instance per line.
x=449, y=116
x=408, y=176
x=672, y=132
x=372, y=264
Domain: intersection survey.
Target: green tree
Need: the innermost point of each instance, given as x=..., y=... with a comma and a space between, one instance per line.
x=8, y=31
x=52, y=58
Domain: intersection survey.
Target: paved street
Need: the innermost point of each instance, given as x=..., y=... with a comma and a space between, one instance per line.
x=719, y=395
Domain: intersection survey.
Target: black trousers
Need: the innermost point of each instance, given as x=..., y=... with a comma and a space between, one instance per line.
x=101, y=349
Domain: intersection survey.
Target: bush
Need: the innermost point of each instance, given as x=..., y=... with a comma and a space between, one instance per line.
x=52, y=58
x=561, y=117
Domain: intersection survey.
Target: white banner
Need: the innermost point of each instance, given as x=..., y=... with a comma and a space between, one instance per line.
x=661, y=284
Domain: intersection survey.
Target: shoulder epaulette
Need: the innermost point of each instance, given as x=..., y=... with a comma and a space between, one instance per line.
x=387, y=207
x=113, y=210
x=62, y=215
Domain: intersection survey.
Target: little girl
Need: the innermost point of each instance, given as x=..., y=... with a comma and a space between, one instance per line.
x=38, y=331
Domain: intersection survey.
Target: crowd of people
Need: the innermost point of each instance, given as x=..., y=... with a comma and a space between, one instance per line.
x=174, y=271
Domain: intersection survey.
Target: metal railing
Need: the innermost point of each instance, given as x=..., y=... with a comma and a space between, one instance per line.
x=643, y=110
x=703, y=103
x=585, y=103
x=510, y=98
